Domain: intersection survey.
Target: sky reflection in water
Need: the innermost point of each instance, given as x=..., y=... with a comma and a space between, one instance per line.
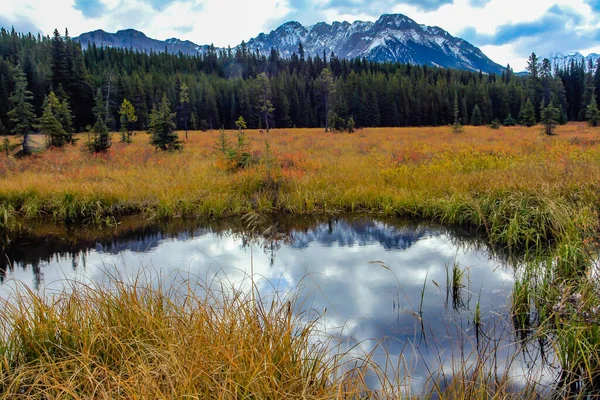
x=369, y=275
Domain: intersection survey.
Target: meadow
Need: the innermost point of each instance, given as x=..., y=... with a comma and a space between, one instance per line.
x=527, y=193
x=520, y=187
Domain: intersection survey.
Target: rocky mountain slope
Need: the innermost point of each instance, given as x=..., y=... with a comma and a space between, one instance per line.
x=392, y=38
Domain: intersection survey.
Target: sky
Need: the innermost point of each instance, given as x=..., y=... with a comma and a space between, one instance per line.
x=507, y=31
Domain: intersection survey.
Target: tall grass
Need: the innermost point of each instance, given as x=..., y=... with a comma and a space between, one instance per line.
x=135, y=341
x=146, y=340
x=518, y=187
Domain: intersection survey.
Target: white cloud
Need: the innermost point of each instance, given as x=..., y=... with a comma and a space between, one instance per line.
x=228, y=22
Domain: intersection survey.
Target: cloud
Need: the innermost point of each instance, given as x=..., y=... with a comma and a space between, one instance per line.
x=595, y=4
x=378, y=7
x=309, y=12
x=90, y=8
x=20, y=23
x=478, y=3
x=556, y=30
x=160, y=5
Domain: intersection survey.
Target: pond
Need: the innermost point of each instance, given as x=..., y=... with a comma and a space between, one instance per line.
x=409, y=293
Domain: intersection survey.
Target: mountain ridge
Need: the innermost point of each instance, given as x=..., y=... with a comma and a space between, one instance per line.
x=392, y=38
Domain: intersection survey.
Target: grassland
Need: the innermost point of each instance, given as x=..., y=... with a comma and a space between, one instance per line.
x=533, y=194
x=518, y=186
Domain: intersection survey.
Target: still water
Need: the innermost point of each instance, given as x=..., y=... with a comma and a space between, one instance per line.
x=370, y=281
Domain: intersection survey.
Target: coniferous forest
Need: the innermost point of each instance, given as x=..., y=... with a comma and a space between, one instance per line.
x=269, y=91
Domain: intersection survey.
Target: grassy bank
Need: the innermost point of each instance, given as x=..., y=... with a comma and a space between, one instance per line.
x=519, y=187
x=141, y=340
x=523, y=190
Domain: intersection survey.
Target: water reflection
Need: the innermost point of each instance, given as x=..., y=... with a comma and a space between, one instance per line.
x=367, y=279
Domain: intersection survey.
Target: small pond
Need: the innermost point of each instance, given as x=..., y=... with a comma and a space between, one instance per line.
x=369, y=280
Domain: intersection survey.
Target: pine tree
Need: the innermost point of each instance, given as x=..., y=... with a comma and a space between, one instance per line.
x=476, y=118
x=456, y=127
x=193, y=122
x=325, y=85
x=509, y=121
x=21, y=115
x=265, y=106
x=162, y=127
x=549, y=119
x=50, y=125
x=592, y=114
x=101, y=141
x=184, y=101
x=128, y=118
x=528, y=114
x=65, y=117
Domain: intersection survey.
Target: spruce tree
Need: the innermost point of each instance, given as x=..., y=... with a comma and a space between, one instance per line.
x=549, y=119
x=509, y=121
x=476, y=119
x=64, y=115
x=128, y=119
x=50, y=125
x=162, y=127
x=528, y=114
x=193, y=122
x=101, y=140
x=592, y=114
x=21, y=115
x=325, y=85
x=184, y=102
x=265, y=106
x=456, y=127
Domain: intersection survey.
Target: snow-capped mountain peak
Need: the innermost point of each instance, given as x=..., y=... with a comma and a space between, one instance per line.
x=392, y=38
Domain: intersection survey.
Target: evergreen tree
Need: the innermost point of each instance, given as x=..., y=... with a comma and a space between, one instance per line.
x=101, y=140
x=49, y=123
x=456, y=127
x=21, y=115
x=65, y=118
x=184, y=103
x=534, y=83
x=162, y=127
x=509, y=121
x=265, y=106
x=549, y=119
x=325, y=85
x=193, y=122
x=592, y=114
x=128, y=119
x=476, y=118
x=528, y=114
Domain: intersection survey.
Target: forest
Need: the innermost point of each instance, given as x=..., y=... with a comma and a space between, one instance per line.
x=269, y=91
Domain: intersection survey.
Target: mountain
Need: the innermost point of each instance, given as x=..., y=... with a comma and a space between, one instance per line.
x=393, y=37
x=132, y=39
x=563, y=60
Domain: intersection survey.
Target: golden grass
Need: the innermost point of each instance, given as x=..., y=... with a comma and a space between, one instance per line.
x=133, y=341
x=141, y=340
x=483, y=177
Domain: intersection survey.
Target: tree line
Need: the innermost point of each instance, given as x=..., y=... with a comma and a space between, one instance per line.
x=51, y=84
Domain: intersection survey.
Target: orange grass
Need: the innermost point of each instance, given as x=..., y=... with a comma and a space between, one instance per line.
x=421, y=172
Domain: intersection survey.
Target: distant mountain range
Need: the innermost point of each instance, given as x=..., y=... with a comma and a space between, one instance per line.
x=563, y=60
x=393, y=38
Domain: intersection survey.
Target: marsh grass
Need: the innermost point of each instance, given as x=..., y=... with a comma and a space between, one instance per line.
x=146, y=340
x=519, y=188
x=142, y=341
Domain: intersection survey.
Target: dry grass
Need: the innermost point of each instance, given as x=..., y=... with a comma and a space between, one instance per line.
x=140, y=340
x=136, y=341
x=520, y=188
x=490, y=179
